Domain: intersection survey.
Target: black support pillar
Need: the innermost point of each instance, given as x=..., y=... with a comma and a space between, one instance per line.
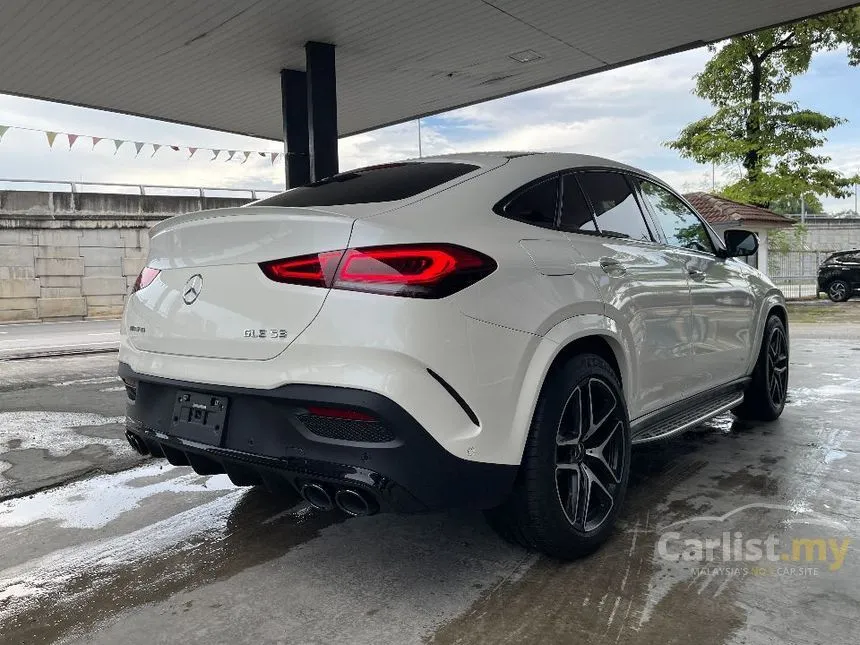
x=294, y=101
x=322, y=109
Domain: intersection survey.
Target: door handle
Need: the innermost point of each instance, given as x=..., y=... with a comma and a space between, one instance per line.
x=612, y=267
x=696, y=275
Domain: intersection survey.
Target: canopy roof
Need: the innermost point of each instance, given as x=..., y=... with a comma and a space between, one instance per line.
x=216, y=63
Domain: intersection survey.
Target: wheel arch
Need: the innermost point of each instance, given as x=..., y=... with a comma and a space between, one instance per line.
x=772, y=303
x=586, y=333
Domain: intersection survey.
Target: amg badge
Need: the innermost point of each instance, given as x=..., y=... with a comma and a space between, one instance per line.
x=265, y=333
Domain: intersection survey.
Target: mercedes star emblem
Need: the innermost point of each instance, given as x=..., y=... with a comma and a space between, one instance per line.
x=192, y=289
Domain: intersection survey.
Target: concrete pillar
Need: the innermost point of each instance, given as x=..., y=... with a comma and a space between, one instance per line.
x=322, y=109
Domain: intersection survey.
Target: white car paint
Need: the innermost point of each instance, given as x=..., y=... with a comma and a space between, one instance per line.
x=673, y=335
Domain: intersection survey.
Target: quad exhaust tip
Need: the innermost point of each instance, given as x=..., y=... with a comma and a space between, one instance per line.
x=317, y=496
x=136, y=443
x=351, y=502
x=354, y=503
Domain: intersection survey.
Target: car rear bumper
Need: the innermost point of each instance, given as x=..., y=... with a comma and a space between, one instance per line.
x=270, y=438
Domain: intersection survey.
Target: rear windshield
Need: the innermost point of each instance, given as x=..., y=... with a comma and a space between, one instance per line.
x=385, y=183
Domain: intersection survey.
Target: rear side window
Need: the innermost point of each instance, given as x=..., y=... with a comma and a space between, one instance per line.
x=535, y=205
x=575, y=211
x=614, y=204
x=386, y=183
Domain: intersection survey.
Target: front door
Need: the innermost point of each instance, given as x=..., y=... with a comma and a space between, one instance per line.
x=722, y=301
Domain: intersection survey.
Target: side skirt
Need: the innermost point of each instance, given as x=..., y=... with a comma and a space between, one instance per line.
x=686, y=414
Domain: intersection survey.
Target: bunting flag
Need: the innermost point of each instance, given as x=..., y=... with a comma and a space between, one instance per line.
x=231, y=155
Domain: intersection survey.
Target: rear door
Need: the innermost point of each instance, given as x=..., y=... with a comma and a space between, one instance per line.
x=643, y=284
x=722, y=299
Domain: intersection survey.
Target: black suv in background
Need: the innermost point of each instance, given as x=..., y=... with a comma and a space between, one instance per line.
x=839, y=275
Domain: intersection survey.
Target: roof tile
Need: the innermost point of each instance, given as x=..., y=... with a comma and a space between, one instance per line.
x=719, y=210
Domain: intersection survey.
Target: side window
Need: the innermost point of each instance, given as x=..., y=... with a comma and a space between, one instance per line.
x=681, y=226
x=575, y=211
x=535, y=205
x=614, y=205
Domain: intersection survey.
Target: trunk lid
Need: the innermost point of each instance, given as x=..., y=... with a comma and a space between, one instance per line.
x=211, y=299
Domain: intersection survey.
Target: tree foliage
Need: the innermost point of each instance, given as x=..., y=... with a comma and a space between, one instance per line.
x=772, y=138
x=791, y=205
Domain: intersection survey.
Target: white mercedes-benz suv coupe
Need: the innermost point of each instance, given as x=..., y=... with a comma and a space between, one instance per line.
x=489, y=331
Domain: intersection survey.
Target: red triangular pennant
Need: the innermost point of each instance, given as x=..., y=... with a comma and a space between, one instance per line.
x=72, y=139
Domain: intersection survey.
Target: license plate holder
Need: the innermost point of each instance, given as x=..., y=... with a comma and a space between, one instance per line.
x=199, y=417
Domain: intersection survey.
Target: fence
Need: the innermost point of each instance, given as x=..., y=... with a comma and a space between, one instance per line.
x=144, y=190
x=796, y=272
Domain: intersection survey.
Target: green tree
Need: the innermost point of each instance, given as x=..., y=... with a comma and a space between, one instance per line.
x=791, y=205
x=773, y=139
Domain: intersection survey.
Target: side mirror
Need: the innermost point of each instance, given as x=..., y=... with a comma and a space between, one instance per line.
x=740, y=243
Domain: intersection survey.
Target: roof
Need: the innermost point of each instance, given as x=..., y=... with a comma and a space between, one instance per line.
x=719, y=210
x=216, y=63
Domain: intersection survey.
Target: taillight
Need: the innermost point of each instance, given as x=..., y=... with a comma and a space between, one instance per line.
x=415, y=270
x=145, y=278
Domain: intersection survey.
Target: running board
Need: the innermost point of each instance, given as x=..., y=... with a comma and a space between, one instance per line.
x=687, y=414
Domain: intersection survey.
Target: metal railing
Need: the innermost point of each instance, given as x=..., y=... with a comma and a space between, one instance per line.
x=796, y=272
x=201, y=190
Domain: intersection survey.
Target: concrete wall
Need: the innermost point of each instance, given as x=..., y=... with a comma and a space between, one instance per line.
x=65, y=256
x=832, y=233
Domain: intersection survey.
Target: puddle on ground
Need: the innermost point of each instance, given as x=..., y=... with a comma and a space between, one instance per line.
x=72, y=588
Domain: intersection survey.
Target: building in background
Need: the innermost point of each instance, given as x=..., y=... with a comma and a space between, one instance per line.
x=722, y=214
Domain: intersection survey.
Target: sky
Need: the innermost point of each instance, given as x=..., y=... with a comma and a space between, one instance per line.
x=624, y=114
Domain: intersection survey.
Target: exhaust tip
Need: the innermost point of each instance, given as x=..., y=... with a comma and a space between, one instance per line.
x=316, y=496
x=354, y=503
x=136, y=443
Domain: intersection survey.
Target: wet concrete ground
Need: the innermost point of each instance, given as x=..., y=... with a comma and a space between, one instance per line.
x=156, y=554
x=60, y=419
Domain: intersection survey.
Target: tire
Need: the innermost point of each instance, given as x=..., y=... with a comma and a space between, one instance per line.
x=764, y=399
x=838, y=291
x=545, y=509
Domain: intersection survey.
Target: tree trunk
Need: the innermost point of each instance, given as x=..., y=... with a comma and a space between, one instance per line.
x=752, y=160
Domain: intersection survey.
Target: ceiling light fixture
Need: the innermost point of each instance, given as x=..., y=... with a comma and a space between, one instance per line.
x=525, y=56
